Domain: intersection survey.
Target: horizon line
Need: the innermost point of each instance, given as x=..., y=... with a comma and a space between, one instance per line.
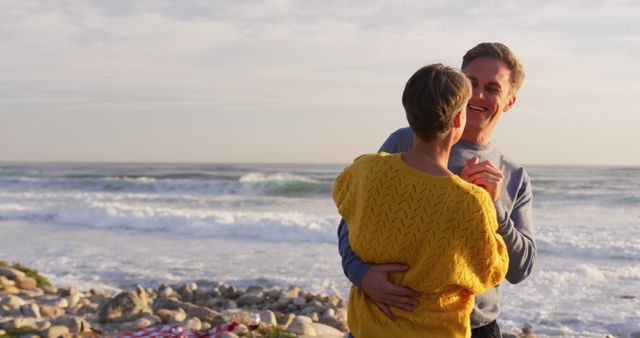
x=269, y=163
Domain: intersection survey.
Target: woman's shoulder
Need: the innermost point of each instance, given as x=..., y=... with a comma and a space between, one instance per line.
x=473, y=194
x=372, y=159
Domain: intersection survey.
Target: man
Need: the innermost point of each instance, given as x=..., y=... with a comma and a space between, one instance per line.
x=495, y=75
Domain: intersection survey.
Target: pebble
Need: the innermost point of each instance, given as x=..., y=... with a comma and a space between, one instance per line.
x=300, y=301
x=303, y=319
x=165, y=292
x=326, y=330
x=50, y=290
x=11, y=273
x=56, y=331
x=268, y=317
x=4, y=281
x=31, y=293
x=61, y=303
x=11, y=289
x=21, y=323
x=87, y=308
x=77, y=324
x=329, y=313
x=170, y=316
x=31, y=310
x=12, y=301
x=135, y=325
x=250, y=298
x=230, y=291
x=14, y=312
x=51, y=311
x=229, y=304
x=302, y=328
x=26, y=282
x=193, y=324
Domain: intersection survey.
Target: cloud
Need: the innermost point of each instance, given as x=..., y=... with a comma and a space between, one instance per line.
x=304, y=57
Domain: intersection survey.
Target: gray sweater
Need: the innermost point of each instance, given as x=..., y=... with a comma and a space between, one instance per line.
x=514, y=218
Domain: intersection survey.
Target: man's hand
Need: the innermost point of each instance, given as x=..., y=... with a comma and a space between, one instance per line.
x=484, y=174
x=375, y=284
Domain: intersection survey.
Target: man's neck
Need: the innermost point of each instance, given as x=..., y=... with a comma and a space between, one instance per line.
x=477, y=136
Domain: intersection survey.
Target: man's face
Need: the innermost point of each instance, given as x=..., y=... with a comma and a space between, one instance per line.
x=491, y=92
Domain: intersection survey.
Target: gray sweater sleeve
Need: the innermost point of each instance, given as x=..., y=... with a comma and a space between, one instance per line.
x=354, y=268
x=517, y=231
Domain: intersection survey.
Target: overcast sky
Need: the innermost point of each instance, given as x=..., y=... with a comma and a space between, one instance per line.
x=302, y=81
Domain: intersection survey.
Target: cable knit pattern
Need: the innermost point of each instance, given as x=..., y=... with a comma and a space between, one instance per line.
x=442, y=227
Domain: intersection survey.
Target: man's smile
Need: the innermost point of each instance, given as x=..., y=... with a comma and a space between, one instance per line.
x=477, y=108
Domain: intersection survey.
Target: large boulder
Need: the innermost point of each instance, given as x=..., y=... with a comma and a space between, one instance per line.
x=11, y=273
x=12, y=301
x=326, y=330
x=250, y=298
x=171, y=316
x=125, y=307
x=301, y=328
x=26, y=282
x=205, y=314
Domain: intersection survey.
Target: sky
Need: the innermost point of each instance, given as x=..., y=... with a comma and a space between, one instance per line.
x=302, y=81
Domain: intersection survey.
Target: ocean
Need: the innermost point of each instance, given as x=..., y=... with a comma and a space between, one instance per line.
x=112, y=226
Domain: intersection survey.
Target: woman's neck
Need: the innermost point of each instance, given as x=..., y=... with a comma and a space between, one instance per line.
x=429, y=157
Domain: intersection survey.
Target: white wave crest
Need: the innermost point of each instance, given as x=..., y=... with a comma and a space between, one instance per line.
x=262, y=177
x=118, y=215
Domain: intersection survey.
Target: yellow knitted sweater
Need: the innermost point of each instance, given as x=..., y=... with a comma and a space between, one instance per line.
x=443, y=228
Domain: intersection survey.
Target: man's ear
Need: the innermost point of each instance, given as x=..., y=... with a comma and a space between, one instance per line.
x=509, y=104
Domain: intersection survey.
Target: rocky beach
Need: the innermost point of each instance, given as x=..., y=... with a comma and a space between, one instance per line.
x=30, y=307
x=31, y=310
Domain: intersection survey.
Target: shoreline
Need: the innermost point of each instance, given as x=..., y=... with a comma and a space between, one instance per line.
x=88, y=257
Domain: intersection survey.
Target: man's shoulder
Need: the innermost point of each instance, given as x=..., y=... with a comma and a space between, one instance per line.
x=402, y=132
x=517, y=182
x=399, y=141
x=509, y=166
x=508, y=162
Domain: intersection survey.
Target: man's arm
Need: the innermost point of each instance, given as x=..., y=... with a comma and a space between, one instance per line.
x=372, y=279
x=516, y=227
x=354, y=267
x=518, y=232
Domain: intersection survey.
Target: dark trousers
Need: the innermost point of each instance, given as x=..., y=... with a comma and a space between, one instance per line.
x=491, y=330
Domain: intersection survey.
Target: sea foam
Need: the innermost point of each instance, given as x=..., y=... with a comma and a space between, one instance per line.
x=142, y=214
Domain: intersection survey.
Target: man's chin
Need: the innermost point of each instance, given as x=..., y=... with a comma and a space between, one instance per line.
x=475, y=123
